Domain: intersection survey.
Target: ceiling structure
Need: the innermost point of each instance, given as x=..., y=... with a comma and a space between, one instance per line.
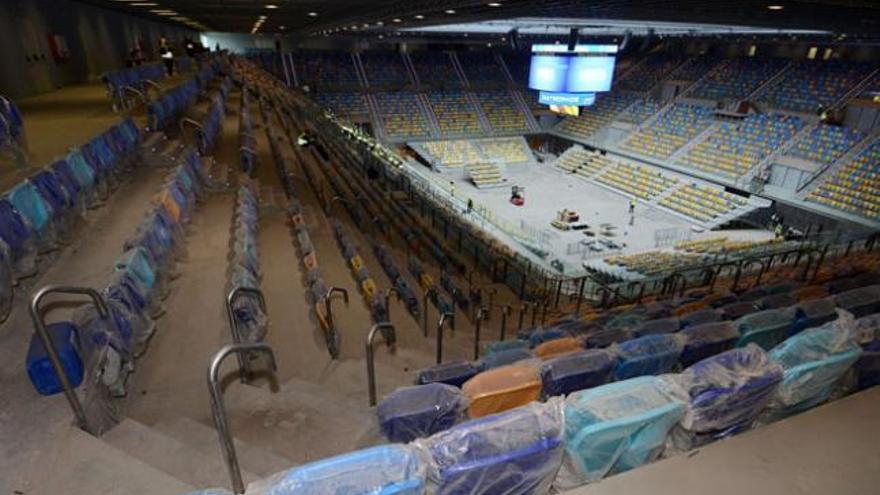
x=331, y=17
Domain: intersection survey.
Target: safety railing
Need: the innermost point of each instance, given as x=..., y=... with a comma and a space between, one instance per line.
x=388, y=333
x=440, y=324
x=243, y=365
x=218, y=409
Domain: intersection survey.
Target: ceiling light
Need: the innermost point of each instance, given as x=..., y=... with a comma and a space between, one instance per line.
x=271, y=6
x=494, y=4
x=775, y=7
x=380, y=23
x=450, y=11
x=396, y=20
x=419, y=16
x=144, y=4
x=313, y=14
x=282, y=27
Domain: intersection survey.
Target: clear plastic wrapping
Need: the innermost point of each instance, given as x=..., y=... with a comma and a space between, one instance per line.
x=505, y=357
x=615, y=427
x=651, y=355
x=383, y=470
x=419, y=411
x=454, y=373
x=814, y=361
x=577, y=371
x=727, y=392
x=513, y=453
x=502, y=388
x=860, y=302
x=702, y=341
x=765, y=328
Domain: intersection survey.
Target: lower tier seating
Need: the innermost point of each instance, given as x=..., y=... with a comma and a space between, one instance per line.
x=578, y=160
x=671, y=131
x=702, y=202
x=484, y=174
x=855, y=188
x=637, y=180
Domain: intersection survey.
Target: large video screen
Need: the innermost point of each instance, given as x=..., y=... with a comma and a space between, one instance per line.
x=586, y=69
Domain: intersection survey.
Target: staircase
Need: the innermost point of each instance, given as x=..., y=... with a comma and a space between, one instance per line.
x=359, y=68
x=459, y=69
x=526, y=110
x=481, y=116
x=429, y=114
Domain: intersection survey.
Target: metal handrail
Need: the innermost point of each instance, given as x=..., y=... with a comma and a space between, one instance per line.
x=478, y=321
x=243, y=371
x=328, y=306
x=187, y=120
x=388, y=292
x=221, y=422
x=505, y=310
x=387, y=329
x=443, y=318
x=49, y=346
x=425, y=309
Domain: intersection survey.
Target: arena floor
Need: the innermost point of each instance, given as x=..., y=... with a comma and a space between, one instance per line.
x=548, y=190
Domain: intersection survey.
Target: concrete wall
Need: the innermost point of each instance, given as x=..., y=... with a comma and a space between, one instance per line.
x=98, y=40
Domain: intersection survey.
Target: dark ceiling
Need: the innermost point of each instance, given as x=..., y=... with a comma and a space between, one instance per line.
x=855, y=17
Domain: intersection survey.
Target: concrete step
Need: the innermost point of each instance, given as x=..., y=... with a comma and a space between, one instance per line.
x=204, y=439
x=297, y=424
x=82, y=464
x=170, y=455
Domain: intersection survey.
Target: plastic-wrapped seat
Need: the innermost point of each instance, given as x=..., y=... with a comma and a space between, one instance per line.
x=725, y=393
x=737, y=310
x=815, y=313
x=651, y=355
x=867, y=368
x=419, y=411
x=35, y=211
x=14, y=232
x=776, y=301
x=558, y=347
x=657, y=327
x=514, y=453
x=813, y=363
x=540, y=336
x=707, y=315
x=860, y=302
x=501, y=389
x=503, y=358
x=504, y=345
x=707, y=340
x=382, y=470
x=577, y=371
x=454, y=373
x=616, y=427
x=765, y=328
x=606, y=337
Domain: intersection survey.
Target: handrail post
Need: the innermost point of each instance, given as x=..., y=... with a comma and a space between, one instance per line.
x=221, y=422
x=505, y=310
x=243, y=366
x=443, y=319
x=386, y=328
x=425, y=296
x=49, y=346
x=328, y=306
x=534, y=313
x=522, y=315
x=388, y=292
x=478, y=323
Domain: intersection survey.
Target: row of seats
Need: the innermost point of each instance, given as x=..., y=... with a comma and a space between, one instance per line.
x=212, y=123
x=250, y=318
x=513, y=150
x=502, y=111
x=738, y=78
x=392, y=271
x=426, y=282
x=702, y=202
x=736, y=147
x=695, y=68
x=321, y=68
x=384, y=69
x=12, y=135
x=347, y=106
x=654, y=263
x=247, y=140
x=168, y=107
x=578, y=160
x=481, y=68
x=813, y=84
x=461, y=153
x=640, y=111
x=455, y=113
x=826, y=143
x=123, y=84
x=435, y=69
x=649, y=72
x=671, y=131
x=597, y=116
x=485, y=174
x=720, y=245
x=373, y=298
x=401, y=115
x=855, y=187
x=637, y=180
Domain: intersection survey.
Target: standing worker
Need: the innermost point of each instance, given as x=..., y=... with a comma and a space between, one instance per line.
x=168, y=58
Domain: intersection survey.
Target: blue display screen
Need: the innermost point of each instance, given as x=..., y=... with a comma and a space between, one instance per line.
x=583, y=70
x=548, y=73
x=567, y=99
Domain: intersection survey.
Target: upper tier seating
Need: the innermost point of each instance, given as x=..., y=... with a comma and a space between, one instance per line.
x=694, y=69
x=502, y=111
x=826, y=143
x=123, y=84
x=384, y=69
x=435, y=69
x=455, y=114
x=640, y=111
x=638, y=180
x=672, y=130
x=735, y=147
x=401, y=114
x=481, y=68
x=811, y=83
x=651, y=71
x=738, y=78
x=702, y=202
x=325, y=68
x=518, y=64
x=593, y=118
x=855, y=188
x=578, y=160
x=346, y=106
